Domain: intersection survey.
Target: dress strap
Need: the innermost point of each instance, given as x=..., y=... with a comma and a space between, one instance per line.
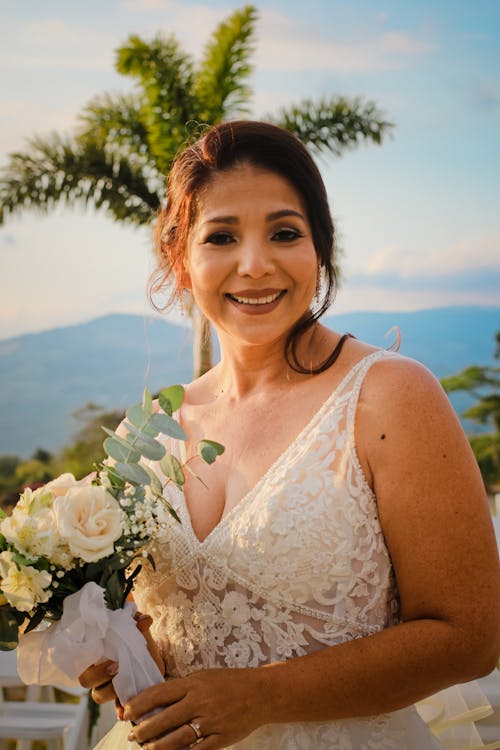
x=361, y=370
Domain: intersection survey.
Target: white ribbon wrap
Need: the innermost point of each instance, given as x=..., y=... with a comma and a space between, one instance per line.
x=87, y=633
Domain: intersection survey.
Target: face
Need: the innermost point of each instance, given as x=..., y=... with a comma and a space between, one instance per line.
x=251, y=262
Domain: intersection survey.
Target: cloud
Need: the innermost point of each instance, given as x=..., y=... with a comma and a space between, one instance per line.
x=285, y=44
x=53, y=42
x=467, y=256
x=475, y=280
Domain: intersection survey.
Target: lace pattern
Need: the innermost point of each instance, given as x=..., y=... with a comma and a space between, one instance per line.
x=299, y=564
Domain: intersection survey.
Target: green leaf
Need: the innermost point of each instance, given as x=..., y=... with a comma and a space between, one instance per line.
x=147, y=401
x=9, y=627
x=133, y=473
x=3, y=514
x=147, y=446
x=168, y=426
x=137, y=416
x=172, y=469
x=170, y=399
x=155, y=483
x=173, y=513
x=114, y=591
x=21, y=560
x=208, y=450
x=122, y=453
x=35, y=620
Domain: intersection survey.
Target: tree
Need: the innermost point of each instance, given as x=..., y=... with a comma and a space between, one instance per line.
x=484, y=384
x=124, y=145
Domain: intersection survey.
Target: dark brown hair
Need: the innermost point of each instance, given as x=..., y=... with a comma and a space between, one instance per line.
x=219, y=149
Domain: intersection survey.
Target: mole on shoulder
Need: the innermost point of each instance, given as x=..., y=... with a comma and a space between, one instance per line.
x=382, y=437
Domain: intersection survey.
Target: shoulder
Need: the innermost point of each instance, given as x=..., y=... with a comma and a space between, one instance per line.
x=402, y=414
x=393, y=380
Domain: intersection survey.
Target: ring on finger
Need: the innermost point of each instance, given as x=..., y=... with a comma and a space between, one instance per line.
x=195, y=726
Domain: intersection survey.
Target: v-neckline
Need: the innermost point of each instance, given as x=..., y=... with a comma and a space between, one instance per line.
x=245, y=499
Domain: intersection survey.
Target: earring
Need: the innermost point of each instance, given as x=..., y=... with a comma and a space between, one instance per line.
x=317, y=293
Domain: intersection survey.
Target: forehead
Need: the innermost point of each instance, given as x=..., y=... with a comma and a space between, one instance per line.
x=244, y=186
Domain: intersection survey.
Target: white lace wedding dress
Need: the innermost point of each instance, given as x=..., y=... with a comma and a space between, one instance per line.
x=300, y=564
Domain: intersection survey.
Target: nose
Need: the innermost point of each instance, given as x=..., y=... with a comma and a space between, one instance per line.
x=254, y=260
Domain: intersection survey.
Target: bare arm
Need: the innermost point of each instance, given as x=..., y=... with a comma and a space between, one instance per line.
x=435, y=518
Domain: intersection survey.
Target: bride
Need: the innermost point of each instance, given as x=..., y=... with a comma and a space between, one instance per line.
x=337, y=564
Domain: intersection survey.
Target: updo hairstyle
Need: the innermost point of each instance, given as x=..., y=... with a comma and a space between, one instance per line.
x=222, y=147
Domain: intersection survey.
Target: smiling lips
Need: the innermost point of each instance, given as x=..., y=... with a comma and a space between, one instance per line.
x=261, y=300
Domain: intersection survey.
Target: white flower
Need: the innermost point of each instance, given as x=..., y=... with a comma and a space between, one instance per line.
x=23, y=587
x=33, y=534
x=61, y=484
x=90, y=520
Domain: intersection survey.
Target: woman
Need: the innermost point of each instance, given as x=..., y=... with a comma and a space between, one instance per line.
x=338, y=563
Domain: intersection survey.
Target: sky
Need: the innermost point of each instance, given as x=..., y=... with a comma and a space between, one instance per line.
x=418, y=218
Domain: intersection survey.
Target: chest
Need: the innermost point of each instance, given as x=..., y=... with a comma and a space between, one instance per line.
x=255, y=435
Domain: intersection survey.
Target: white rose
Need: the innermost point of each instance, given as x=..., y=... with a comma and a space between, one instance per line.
x=61, y=484
x=23, y=587
x=89, y=519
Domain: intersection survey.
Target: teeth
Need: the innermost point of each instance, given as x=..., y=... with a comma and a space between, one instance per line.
x=256, y=300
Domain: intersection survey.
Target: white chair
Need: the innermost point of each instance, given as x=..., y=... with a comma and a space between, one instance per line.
x=63, y=726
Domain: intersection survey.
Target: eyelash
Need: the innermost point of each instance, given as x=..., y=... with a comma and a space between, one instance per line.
x=281, y=235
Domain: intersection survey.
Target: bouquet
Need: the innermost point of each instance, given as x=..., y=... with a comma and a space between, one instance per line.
x=70, y=552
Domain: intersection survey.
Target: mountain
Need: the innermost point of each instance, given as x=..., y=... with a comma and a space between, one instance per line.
x=46, y=376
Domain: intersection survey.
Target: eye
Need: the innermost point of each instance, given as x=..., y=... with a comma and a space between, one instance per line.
x=286, y=235
x=219, y=238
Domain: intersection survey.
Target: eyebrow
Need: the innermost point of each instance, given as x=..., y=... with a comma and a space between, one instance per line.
x=269, y=217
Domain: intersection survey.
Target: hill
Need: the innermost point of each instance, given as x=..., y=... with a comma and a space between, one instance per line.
x=46, y=376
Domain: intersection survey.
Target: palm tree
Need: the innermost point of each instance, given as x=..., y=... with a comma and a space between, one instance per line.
x=124, y=145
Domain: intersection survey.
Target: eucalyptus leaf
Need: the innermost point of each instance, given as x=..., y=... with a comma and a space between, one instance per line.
x=208, y=450
x=147, y=401
x=119, y=439
x=133, y=473
x=137, y=416
x=156, y=485
x=147, y=446
x=170, y=399
x=168, y=426
x=124, y=454
x=172, y=469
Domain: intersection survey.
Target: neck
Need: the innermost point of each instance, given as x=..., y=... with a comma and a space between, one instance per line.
x=246, y=368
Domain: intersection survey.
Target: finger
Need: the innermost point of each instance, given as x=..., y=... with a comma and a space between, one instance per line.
x=119, y=710
x=182, y=737
x=98, y=674
x=104, y=693
x=162, y=695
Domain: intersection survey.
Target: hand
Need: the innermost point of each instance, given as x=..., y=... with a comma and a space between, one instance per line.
x=97, y=677
x=226, y=705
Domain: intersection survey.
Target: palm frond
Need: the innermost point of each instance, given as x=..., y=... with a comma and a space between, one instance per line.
x=58, y=170
x=165, y=76
x=114, y=119
x=334, y=125
x=220, y=84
